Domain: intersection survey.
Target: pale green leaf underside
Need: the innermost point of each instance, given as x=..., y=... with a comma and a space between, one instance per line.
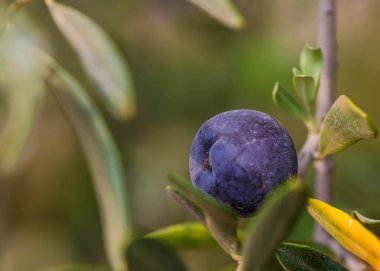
x=286, y=102
x=102, y=156
x=305, y=88
x=294, y=257
x=184, y=236
x=372, y=224
x=272, y=223
x=296, y=71
x=222, y=10
x=344, y=125
x=219, y=220
x=311, y=63
x=22, y=89
x=100, y=58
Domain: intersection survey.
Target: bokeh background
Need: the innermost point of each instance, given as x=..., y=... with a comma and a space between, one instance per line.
x=186, y=68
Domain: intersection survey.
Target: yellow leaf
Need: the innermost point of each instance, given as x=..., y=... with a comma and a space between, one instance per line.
x=347, y=231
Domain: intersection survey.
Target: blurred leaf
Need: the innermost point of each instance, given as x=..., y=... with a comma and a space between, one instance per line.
x=372, y=224
x=294, y=257
x=100, y=57
x=103, y=158
x=344, y=125
x=184, y=236
x=305, y=88
x=220, y=221
x=347, y=231
x=150, y=255
x=272, y=223
x=78, y=267
x=311, y=63
x=286, y=102
x=23, y=89
x=222, y=10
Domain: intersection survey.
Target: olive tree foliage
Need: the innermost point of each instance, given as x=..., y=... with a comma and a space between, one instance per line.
x=28, y=71
x=333, y=125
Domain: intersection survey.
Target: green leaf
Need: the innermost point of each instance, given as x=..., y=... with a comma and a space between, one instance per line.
x=22, y=89
x=219, y=220
x=184, y=236
x=372, y=224
x=305, y=89
x=296, y=71
x=294, y=257
x=311, y=63
x=151, y=255
x=102, y=156
x=344, y=125
x=186, y=203
x=222, y=10
x=286, y=102
x=352, y=235
x=100, y=58
x=78, y=267
x=274, y=220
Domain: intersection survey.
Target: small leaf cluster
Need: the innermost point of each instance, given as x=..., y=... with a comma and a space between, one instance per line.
x=306, y=84
x=344, y=125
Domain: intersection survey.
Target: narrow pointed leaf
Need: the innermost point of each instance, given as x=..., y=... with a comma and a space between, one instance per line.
x=151, y=255
x=305, y=89
x=22, y=89
x=344, y=125
x=294, y=257
x=272, y=224
x=286, y=102
x=184, y=236
x=220, y=221
x=311, y=63
x=186, y=203
x=222, y=10
x=100, y=58
x=103, y=158
x=78, y=267
x=372, y=224
x=349, y=232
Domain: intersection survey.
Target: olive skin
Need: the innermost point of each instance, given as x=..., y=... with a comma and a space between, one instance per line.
x=239, y=156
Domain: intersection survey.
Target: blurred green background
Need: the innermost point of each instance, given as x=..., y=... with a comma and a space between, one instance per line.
x=186, y=68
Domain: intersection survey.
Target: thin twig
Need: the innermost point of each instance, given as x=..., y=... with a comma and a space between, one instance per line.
x=324, y=168
x=327, y=39
x=240, y=267
x=306, y=154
